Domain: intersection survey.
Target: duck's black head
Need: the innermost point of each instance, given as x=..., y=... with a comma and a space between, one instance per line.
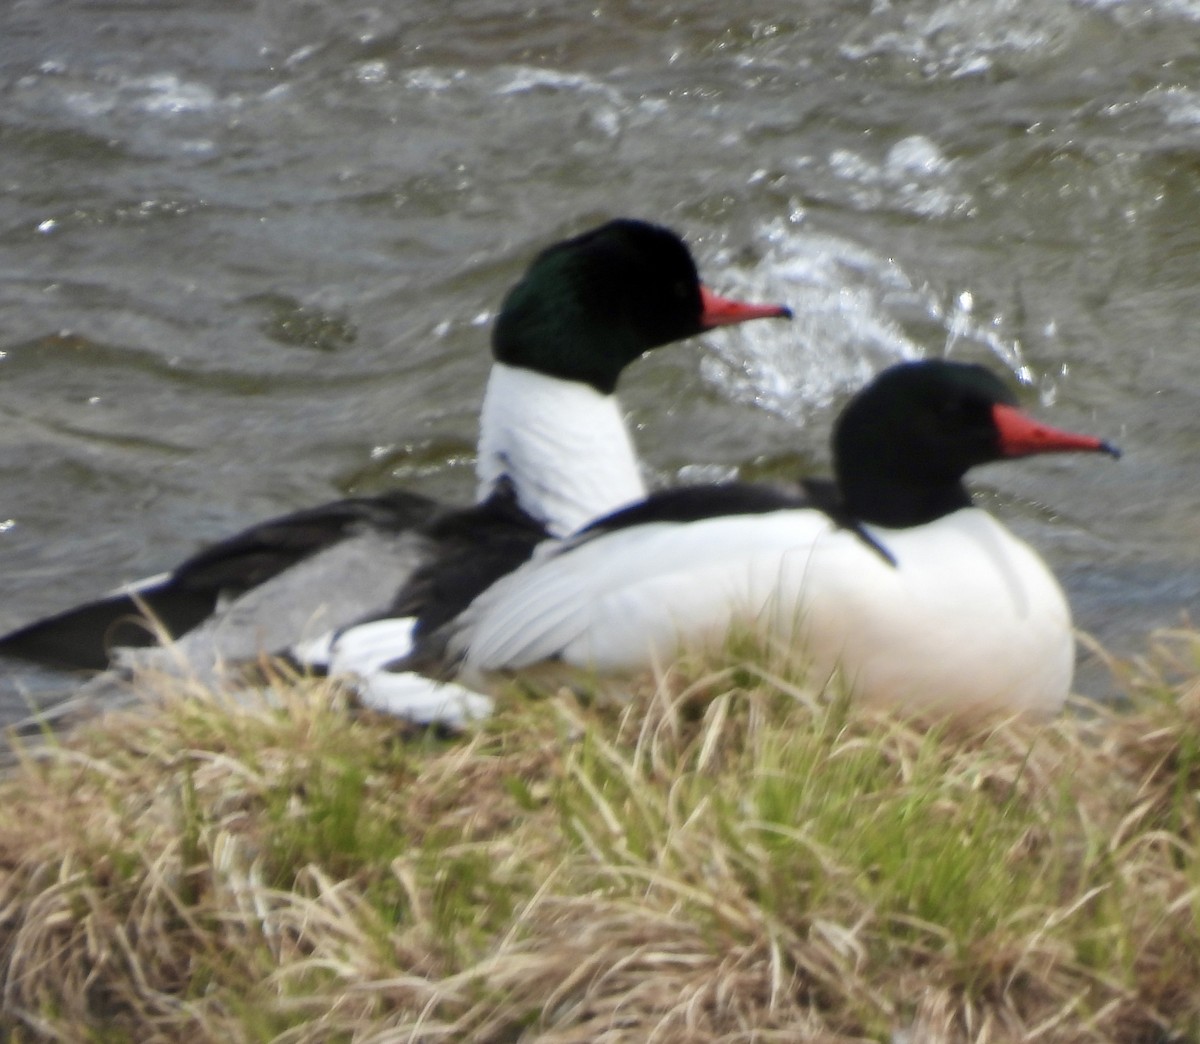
x=903, y=444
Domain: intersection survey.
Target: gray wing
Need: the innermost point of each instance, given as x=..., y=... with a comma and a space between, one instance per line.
x=339, y=586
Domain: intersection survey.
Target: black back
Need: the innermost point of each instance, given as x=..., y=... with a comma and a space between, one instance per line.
x=476, y=546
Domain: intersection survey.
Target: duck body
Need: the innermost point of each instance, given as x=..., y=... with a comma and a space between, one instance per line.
x=887, y=576
x=554, y=453
x=954, y=612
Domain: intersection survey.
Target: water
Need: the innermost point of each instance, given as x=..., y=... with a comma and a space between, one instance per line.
x=249, y=251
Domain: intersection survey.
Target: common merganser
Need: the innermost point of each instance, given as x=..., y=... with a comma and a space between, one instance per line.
x=554, y=453
x=887, y=576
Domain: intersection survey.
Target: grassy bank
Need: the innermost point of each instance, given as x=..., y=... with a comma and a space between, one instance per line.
x=728, y=858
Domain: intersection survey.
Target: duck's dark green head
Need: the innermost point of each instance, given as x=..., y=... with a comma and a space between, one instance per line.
x=589, y=306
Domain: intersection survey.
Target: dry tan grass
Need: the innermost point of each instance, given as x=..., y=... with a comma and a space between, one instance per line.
x=728, y=857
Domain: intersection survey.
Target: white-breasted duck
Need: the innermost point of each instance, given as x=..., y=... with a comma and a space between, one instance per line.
x=888, y=575
x=554, y=453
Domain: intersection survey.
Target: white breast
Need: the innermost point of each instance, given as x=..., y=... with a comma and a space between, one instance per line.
x=969, y=614
x=563, y=444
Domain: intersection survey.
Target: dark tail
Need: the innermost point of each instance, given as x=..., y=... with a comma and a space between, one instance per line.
x=80, y=638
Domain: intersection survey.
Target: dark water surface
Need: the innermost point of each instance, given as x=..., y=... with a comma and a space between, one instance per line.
x=249, y=251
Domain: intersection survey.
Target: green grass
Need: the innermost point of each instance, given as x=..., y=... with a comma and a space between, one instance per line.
x=728, y=856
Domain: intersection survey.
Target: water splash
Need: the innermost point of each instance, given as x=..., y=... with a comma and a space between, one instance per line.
x=856, y=312
x=1180, y=105
x=158, y=94
x=960, y=38
x=1142, y=14
x=508, y=80
x=523, y=79
x=914, y=177
x=840, y=334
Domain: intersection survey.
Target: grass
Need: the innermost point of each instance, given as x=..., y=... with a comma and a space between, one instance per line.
x=730, y=856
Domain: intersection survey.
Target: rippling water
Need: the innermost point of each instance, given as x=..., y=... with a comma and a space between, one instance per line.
x=250, y=250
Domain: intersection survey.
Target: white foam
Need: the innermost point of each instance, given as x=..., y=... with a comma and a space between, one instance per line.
x=914, y=176
x=853, y=310
x=962, y=38
x=840, y=334
x=522, y=79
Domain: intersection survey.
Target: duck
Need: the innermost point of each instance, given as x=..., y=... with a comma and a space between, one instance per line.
x=554, y=452
x=886, y=579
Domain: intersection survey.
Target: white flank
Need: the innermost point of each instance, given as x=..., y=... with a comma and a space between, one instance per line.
x=968, y=615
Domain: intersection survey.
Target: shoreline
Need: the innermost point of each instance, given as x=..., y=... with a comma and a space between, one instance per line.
x=731, y=855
